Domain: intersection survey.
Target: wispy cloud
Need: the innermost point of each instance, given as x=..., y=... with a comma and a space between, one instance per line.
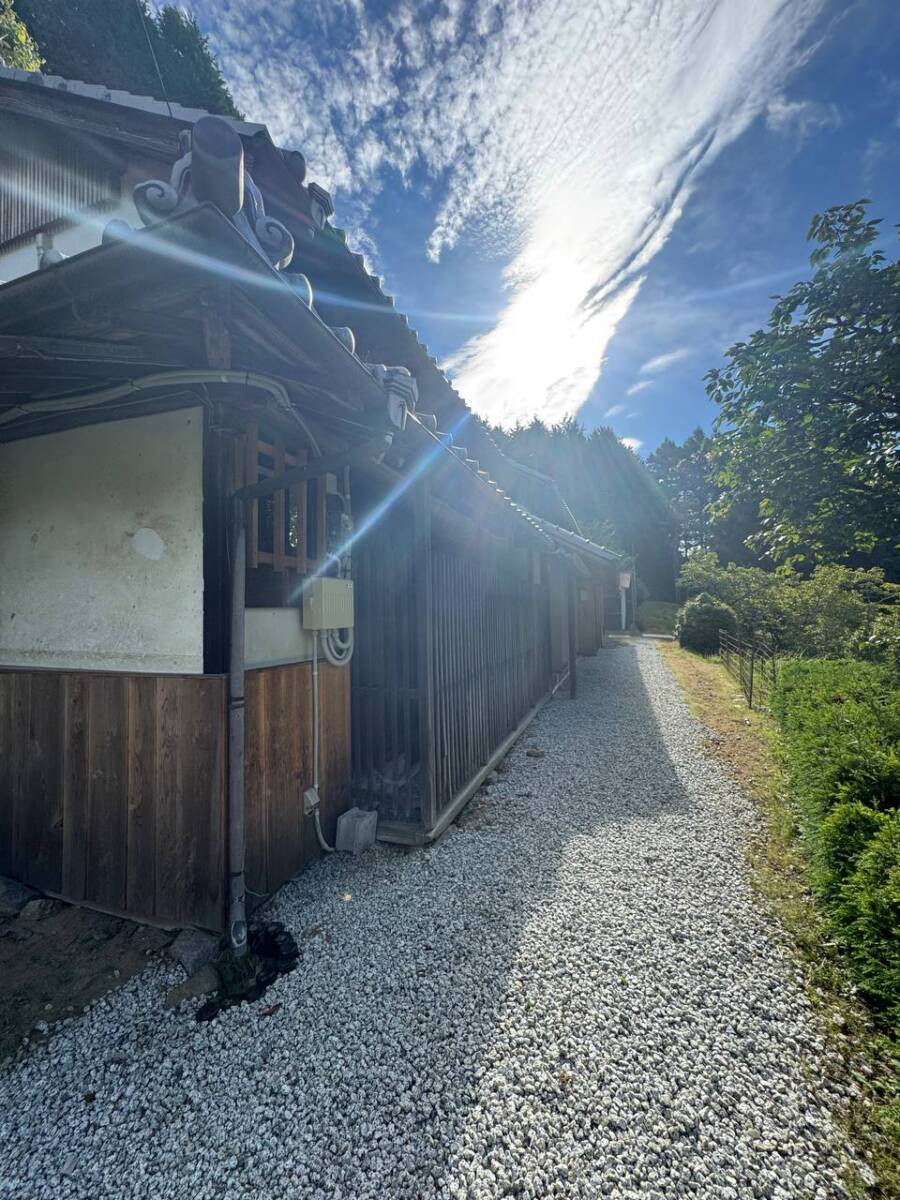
x=615, y=410
x=640, y=386
x=801, y=117
x=562, y=137
x=632, y=443
x=661, y=361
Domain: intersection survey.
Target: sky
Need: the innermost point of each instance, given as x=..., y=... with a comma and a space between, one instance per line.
x=580, y=204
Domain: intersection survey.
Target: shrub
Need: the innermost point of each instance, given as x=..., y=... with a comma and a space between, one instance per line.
x=835, y=611
x=882, y=642
x=840, y=723
x=699, y=623
x=657, y=616
x=869, y=911
x=843, y=836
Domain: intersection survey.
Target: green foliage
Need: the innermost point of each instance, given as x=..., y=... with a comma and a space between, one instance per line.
x=882, y=641
x=869, y=910
x=17, y=47
x=699, y=623
x=845, y=832
x=809, y=419
x=840, y=723
x=104, y=41
x=657, y=616
x=615, y=498
x=831, y=613
x=686, y=475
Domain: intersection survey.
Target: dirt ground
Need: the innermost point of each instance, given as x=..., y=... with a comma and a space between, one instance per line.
x=53, y=965
x=738, y=737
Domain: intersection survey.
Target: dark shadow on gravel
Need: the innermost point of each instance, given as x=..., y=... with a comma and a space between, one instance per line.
x=369, y=1078
x=511, y=843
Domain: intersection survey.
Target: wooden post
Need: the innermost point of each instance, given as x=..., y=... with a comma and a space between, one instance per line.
x=752, y=665
x=423, y=616
x=573, y=685
x=236, y=919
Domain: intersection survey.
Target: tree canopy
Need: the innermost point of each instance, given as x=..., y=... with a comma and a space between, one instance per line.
x=615, y=499
x=17, y=47
x=808, y=429
x=106, y=41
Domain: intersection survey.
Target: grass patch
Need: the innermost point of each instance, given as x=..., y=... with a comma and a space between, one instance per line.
x=748, y=744
x=657, y=616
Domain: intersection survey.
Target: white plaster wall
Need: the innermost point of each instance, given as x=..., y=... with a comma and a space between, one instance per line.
x=85, y=233
x=101, y=547
x=275, y=635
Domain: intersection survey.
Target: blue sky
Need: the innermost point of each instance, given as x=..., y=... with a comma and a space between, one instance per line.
x=579, y=203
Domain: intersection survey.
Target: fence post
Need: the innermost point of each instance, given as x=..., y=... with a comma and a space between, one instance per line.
x=752, y=665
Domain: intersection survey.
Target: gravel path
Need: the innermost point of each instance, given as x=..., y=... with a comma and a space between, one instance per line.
x=572, y=995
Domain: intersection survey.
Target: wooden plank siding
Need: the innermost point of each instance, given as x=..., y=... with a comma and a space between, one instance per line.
x=589, y=635
x=278, y=767
x=112, y=791
x=112, y=786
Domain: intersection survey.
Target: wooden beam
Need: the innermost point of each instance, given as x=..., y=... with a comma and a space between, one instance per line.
x=72, y=349
x=215, y=310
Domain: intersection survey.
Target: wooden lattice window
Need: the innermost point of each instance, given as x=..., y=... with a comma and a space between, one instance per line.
x=280, y=532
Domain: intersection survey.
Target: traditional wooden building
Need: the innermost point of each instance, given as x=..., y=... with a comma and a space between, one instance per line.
x=249, y=574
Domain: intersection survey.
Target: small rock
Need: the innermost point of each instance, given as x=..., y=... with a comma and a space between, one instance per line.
x=13, y=897
x=194, y=949
x=37, y=910
x=533, y=752
x=201, y=983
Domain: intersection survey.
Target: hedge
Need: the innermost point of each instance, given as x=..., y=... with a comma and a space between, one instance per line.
x=840, y=724
x=699, y=622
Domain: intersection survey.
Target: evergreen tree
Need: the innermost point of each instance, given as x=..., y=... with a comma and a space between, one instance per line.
x=106, y=41
x=613, y=496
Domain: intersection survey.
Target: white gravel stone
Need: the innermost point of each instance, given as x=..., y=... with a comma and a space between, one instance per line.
x=575, y=995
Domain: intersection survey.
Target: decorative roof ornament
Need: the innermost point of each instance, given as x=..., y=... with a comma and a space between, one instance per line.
x=211, y=171
x=321, y=204
x=402, y=391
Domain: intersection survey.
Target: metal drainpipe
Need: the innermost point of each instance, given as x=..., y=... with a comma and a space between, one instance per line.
x=237, y=909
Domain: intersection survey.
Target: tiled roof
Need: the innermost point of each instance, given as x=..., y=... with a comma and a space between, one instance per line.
x=574, y=541
x=99, y=91
x=180, y=112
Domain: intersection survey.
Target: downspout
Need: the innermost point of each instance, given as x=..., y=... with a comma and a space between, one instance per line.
x=237, y=899
x=237, y=906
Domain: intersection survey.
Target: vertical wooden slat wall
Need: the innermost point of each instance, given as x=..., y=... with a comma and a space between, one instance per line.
x=490, y=663
x=385, y=672
x=112, y=791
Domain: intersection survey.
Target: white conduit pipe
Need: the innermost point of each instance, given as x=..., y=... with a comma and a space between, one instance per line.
x=337, y=650
x=317, y=821
x=179, y=378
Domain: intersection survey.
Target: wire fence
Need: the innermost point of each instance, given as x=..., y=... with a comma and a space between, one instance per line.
x=752, y=664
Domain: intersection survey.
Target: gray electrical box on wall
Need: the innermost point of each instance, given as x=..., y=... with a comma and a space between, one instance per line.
x=328, y=604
